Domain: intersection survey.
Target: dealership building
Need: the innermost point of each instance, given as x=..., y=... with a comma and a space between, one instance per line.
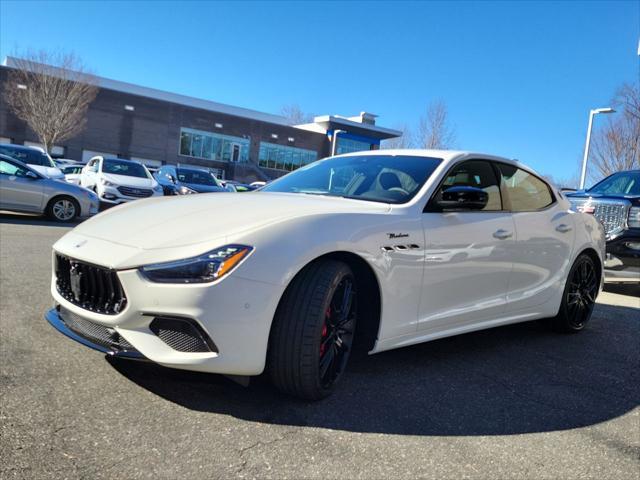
x=157, y=127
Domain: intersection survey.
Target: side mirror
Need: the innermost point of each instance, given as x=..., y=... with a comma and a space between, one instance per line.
x=31, y=175
x=463, y=198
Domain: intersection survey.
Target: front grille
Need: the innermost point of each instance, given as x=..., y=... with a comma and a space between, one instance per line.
x=612, y=214
x=182, y=335
x=135, y=192
x=93, y=288
x=99, y=334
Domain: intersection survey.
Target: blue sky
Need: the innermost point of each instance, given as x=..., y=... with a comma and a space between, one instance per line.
x=519, y=78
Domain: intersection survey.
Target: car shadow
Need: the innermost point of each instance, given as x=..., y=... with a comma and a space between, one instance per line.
x=509, y=380
x=33, y=219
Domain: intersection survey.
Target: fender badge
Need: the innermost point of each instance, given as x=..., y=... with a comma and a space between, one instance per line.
x=397, y=235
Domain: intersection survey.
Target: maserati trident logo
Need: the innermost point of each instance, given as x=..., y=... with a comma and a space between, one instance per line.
x=75, y=276
x=397, y=235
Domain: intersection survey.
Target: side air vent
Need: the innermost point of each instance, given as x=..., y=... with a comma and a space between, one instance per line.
x=182, y=334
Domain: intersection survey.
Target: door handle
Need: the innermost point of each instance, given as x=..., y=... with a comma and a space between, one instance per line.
x=502, y=234
x=563, y=228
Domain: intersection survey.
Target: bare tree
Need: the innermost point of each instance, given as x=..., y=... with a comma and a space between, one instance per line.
x=434, y=130
x=403, y=141
x=51, y=93
x=294, y=114
x=616, y=146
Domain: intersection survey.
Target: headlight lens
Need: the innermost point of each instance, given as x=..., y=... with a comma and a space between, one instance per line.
x=205, y=268
x=107, y=183
x=634, y=217
x=186, y=190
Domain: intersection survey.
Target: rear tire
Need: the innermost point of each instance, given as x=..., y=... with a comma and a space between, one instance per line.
x=63, y=209
x=313, y=330
x=579, y=296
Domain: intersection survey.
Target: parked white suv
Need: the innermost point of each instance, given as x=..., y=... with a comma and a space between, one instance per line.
x=118, y=181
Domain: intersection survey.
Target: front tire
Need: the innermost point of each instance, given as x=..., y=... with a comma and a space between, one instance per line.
x=579, y=296
x=63, y=209
x=313, y=330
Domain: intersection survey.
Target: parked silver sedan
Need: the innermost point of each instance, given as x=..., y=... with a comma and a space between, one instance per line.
x=22, y=189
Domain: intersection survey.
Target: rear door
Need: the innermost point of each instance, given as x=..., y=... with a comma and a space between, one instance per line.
x=545, y=236
x=468, y=254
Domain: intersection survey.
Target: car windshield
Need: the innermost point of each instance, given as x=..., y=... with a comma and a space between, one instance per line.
x=377, y=178
x=197, y=177
x=622, y=183
x=30, y=156
x=122, y=167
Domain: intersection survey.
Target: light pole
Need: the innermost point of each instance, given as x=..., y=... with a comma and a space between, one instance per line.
x=334, y=146
x=592, y=113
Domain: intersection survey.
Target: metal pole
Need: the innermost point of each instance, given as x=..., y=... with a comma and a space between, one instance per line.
x=334, y=145
x=583, y=175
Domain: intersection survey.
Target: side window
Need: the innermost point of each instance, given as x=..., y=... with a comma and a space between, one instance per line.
x=8, y=168
x=472, y=173
x=525, y=192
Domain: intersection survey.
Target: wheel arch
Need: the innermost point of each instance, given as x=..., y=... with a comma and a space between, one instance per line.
x=367, y=281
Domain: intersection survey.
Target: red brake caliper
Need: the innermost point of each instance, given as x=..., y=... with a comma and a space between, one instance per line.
x=324, y=331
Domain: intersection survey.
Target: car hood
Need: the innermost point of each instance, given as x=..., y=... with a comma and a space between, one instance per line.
x=129, y=181
x=587, y=194
x=51, y=172
x=179, y=221
x=204, y=188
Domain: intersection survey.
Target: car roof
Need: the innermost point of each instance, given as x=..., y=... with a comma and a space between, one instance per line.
x=22, y=147
x=446, y=155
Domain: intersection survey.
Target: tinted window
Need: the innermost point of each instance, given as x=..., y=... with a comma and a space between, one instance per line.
x=8, y=168
x=473, y=173
x=622, y=183
x=525, y=192
x=378, y=178
x=28, y=155
x=197, y=177
x=122, y=167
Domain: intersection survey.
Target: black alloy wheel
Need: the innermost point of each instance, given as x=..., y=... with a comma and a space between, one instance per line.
x=336, y=338
x=579, y=296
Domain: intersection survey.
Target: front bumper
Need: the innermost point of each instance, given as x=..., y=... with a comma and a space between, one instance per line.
x=55, y=320
x=113, y=196
x=622, y=262
x=235, y=313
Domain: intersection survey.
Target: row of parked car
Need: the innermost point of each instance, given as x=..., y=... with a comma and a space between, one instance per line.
x=30, y=181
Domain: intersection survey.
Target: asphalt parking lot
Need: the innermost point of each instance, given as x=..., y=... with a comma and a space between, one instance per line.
x=513, y=402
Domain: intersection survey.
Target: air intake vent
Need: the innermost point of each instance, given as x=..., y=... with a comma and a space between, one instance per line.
x=96, y=333
x=183, y=335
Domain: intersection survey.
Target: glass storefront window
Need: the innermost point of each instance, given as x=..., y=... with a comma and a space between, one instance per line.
x=282, y=157
x=212, y=146
x=348, y=145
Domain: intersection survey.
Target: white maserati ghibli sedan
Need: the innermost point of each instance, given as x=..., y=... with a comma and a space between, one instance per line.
x=375, y=250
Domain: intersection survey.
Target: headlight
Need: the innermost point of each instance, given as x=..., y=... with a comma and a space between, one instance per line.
x=634, y=217
x=205, y=268
x=107, y=183
x=186, y=190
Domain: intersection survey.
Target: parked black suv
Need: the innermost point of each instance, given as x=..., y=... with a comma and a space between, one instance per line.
x=615, y=201
x=177, y=180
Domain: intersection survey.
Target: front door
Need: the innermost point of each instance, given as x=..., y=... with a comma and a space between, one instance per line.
x=19, y=191
x=468, y=254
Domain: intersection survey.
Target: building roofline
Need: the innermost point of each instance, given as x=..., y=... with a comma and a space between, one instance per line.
x=148, y=92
